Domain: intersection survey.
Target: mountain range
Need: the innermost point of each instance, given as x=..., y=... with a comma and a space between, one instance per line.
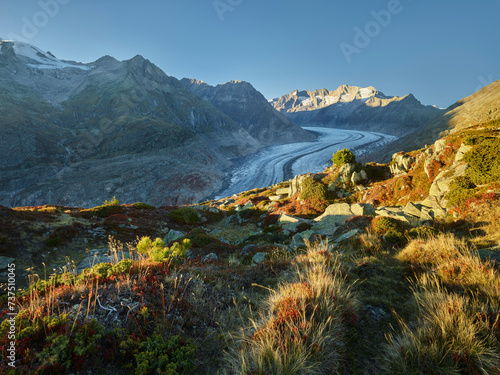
x=353, y=107
x=78, y=133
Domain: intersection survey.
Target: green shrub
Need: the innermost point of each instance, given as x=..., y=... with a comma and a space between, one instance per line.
x=185, y=215
x=112, y=202
x=142, y=206
x=382, y=224
x=102, y=269
x=395, y=237
x=461, y=189
x=312, y=189
x=157, y=250
x=165, y=357
x=121, y=267
x=422, y=232
x=484, y=162
x=344, y=156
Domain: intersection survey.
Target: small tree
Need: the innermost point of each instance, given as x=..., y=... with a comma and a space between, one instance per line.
x=344, y=156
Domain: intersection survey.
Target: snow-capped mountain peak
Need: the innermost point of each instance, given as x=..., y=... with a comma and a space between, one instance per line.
x=36, y=58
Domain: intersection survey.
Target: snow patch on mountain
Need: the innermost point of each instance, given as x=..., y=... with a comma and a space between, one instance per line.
x=44, y=60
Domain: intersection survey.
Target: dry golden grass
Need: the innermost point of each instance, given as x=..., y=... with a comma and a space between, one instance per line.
x=433, y=251
x=448, y=337
x=302, y=328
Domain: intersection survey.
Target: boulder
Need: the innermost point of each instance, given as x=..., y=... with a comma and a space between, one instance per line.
x=347, y=235
x=172, y=235
x=283, y=191
x=328, y=225
x=401, y=163
x=284, y=218
x=259, y=258
x=412, y=209
x=5, y=261
x=358, y=178
x=441, y=184
x=212, y=257
x=296, y=184
x=439, y=145
x=275, y=198
x=344, y=211
x=461, y=152
x=247, y=250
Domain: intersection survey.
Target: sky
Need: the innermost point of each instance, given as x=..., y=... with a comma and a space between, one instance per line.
x=440, y=51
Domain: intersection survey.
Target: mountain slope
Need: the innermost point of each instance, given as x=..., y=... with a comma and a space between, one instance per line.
x=248, y=107
x=480, y=107
x=352, y=107
x=81, y=133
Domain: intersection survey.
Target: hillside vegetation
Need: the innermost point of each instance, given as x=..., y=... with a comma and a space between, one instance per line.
x=361, y=269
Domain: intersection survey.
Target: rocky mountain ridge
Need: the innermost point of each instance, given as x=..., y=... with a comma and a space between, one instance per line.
x=354, y=107
x=248, y=107
x=78, y=134
x=480, y=107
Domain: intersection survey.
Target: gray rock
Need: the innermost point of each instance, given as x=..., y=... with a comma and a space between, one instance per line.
x=461, y=152
x=440, y=145
x=412, y=209
x=492, y=254
x=172, y=235
x=5, y=261
x=101, y=255
x=359, y=178
x=328, y=225
x=401, y=163
x=296, y=184
x=284, y=218
x=247, y=250
x=275, y=198
x=233, y=220
x=212, y=257
x=259, y=258
x=347, y=235
x=283, y=191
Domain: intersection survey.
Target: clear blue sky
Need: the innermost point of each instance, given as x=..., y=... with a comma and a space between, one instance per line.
x=440, y=51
